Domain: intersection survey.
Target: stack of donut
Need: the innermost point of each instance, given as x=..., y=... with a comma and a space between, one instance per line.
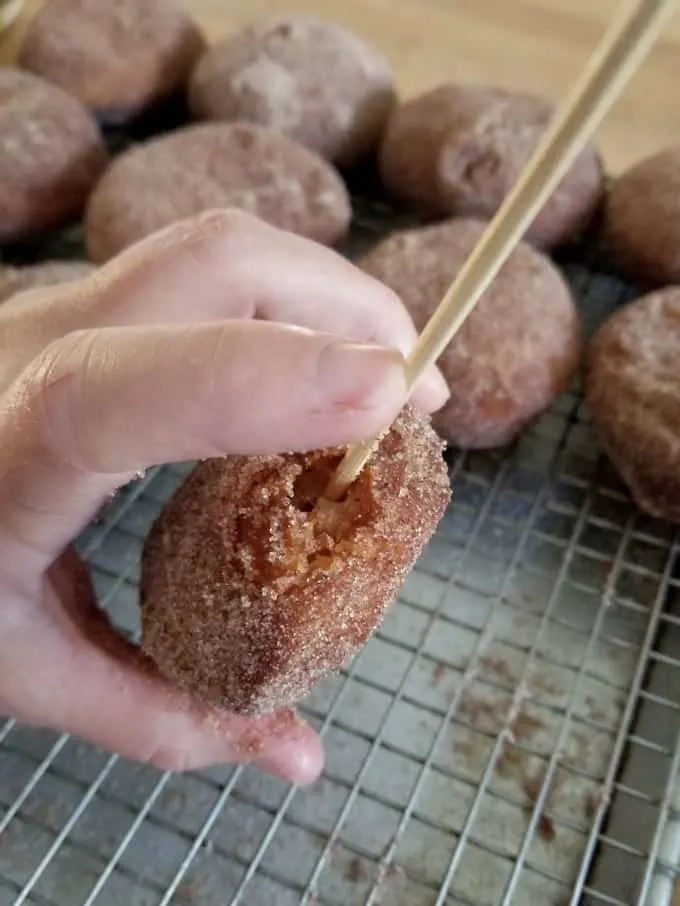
x=254, y=586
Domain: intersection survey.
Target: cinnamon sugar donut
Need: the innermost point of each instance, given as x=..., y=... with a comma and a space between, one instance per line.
x=312, y=79
x=460, y=149
x=51, y=153
x=254, y=587
x=641, y=224
x=213, y=165
x=116, y=57
x=632, y=388
x=516, y=352
x=14, y=280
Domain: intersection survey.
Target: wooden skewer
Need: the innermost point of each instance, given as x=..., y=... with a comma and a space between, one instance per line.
x=622, y=49
x=9, y=11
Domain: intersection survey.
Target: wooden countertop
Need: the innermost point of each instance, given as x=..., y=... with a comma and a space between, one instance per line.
x=535, y=45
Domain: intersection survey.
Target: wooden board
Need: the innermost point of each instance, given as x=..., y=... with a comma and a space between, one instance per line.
x=535, y=45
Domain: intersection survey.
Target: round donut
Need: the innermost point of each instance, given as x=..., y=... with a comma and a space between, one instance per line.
x=116, y=57
x=15, y=280
x=641, y=222
x=516, y=352
x=460, y=149
x=309, y=78
x=213, y=165
x=632, y=388
x=254, y=587
x=51, y=154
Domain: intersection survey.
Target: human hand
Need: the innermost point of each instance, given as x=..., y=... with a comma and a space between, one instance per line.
x=157, y=358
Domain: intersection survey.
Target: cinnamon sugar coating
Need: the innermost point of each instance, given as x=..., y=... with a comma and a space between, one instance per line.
x=641, y=223
x=216, y=165
x=517, y=351
x=632, y=389
x=460, y=149
x=254, y=588
x=308, y=77
x=117, y=57
x=14, y=280
x=51, y=154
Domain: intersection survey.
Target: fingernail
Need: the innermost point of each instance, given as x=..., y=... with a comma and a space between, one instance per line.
x=297, y=759
x=361, y=376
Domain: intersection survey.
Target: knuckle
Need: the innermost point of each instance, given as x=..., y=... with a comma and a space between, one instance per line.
x=226, y=343
x=191, y=237
x=227, y=219
x=225, y=223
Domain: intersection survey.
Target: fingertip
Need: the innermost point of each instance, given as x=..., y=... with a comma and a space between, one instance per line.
x=431, y=391
x=280, y=743
x=298, y=759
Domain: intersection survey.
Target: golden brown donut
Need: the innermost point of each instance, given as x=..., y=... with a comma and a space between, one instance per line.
x=310, y=78
x=459, y=150
x=632, y=388
x=116, y=56
x=253, y=588
x=51, y=154
x=215, y=165
x=641, y=222
x=516, y=352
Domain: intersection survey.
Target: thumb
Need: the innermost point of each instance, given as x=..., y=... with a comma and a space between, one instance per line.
x=100, y=405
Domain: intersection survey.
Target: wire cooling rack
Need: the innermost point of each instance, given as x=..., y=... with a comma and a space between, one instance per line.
x=510, y=736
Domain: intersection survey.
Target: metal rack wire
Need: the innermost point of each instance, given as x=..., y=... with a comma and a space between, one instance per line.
x=510, y=736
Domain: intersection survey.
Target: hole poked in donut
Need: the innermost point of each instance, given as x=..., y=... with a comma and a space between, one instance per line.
x=326, y=530
x=310, y=485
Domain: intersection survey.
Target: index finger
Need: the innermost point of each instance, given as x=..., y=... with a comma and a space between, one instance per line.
x=227, y=264
x=233, y=265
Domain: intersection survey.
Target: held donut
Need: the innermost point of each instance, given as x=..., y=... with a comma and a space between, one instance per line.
x=254, y=587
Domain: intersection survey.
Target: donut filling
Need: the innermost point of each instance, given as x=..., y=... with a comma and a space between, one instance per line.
x=323, y=533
